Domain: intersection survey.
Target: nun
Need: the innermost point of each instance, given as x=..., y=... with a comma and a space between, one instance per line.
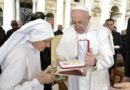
x=20, y=57
x=100, y=55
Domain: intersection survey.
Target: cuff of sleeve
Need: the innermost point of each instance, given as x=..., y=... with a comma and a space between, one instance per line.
x=35, y=83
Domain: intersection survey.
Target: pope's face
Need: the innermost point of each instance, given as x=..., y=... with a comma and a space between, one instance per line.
x=41, y=45
x=80, y=20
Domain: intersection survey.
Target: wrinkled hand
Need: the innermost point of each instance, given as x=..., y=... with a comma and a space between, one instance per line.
x=45, y=76
x=121, y=86
x=90, y=59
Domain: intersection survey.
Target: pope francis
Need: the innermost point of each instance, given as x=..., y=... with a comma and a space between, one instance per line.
x=100, y=53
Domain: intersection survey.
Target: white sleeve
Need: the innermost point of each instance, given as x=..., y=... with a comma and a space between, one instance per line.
x=105, y=56
x=14, y=69
x=29, y=85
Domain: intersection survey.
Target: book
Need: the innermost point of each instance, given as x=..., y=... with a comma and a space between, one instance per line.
x=76, y=66
x=71, y=64
x=83, y=48
x=72, y=67
x=75, y=72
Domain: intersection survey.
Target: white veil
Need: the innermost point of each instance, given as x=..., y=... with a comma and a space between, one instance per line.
x=38, y=30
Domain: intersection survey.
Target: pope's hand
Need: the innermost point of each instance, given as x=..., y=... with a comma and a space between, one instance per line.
x=90, y=59
x=45, y=76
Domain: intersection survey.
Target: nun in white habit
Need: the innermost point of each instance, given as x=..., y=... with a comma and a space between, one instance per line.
x=100, y=55
x=20, y=58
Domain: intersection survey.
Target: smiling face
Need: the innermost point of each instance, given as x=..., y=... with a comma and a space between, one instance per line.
x=41, y=45
x=80, y=20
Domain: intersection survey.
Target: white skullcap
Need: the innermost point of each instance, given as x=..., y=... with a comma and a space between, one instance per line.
x=81, y=7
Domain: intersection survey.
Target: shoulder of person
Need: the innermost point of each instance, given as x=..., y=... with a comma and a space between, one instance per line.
x=56, y=31
x=99, y=29
x=17, y=54
x=70, y=29
x=9, y=30
x=2, y=31
x=115, y=32
x=20, y=49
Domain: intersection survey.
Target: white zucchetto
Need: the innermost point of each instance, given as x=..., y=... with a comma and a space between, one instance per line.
x=81, y=7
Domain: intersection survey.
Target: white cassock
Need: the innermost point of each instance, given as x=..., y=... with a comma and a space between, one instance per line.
x=24, y=61
x=102, y=47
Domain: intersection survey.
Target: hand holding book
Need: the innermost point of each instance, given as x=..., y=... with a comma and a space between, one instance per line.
x=78, y=66
x=90, y=59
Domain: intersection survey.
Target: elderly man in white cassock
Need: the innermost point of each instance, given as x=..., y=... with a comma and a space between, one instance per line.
x=100, y=53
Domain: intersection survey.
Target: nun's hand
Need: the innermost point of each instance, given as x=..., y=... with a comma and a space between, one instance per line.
x=90, y=59
x=45, y=76
x=121, y=86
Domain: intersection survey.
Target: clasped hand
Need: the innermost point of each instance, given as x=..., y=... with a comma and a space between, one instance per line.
x=46, y=77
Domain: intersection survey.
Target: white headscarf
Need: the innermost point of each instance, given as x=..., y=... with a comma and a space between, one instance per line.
x=33, y=31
